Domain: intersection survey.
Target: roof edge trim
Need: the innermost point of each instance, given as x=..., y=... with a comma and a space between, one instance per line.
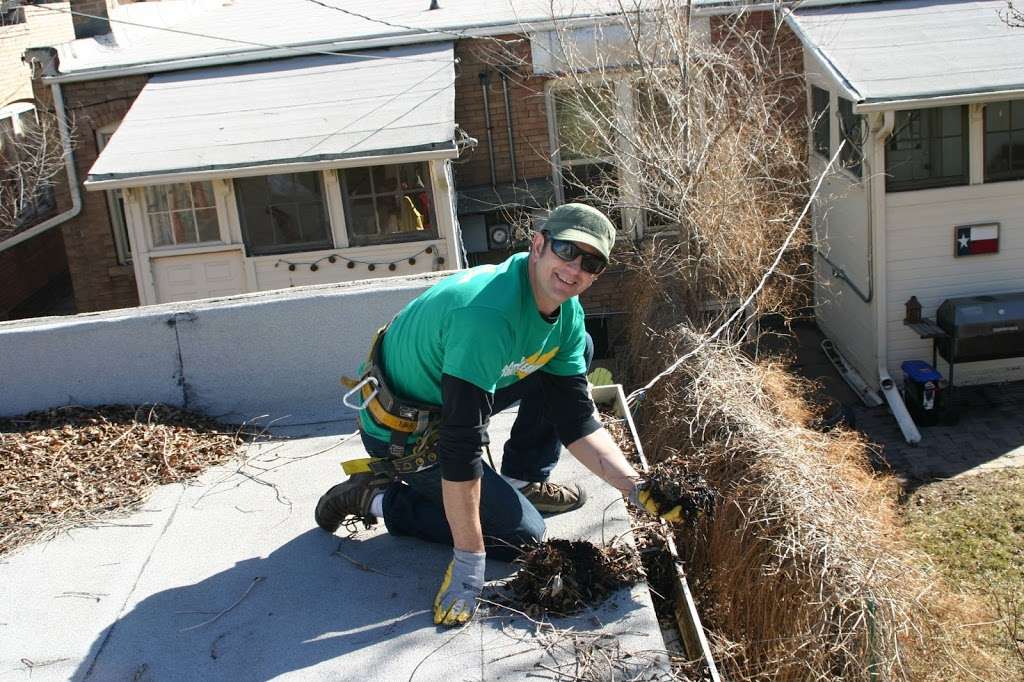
x=844, y=85
x=939, y=100
x=442, y=150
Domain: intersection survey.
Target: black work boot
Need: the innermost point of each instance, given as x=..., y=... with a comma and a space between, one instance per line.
x=350, y=498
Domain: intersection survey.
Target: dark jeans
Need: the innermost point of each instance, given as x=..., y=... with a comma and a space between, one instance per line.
x=414, y=507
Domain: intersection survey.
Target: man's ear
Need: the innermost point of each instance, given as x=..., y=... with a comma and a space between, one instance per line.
x=537, y=246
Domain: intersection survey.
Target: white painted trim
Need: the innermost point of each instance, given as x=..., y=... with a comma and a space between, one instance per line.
x=269, y=169
x=941, y=100
x=335, y=208
x=195, y=250
x=441, y=199
x=70, y=171
x=136, y=215
x=976, y=143
x=827, y=68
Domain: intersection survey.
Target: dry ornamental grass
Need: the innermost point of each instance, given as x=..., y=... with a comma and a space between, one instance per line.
x=72, y=465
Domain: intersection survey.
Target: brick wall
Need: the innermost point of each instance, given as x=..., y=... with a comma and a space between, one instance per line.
x=99, y=281
x=29, y=267
x=42, y=26
x=529, y=118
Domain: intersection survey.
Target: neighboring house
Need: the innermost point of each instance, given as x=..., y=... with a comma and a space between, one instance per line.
x=33, y=269
x=256, y=145
x=929, y=96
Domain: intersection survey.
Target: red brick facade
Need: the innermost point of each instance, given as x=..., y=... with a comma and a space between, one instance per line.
x=529, y=117
x=27, y=269
x=100, y=282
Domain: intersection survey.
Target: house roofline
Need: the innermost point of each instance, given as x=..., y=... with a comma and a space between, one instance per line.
x=939, y=100
x=283, y=166
x=395, y=39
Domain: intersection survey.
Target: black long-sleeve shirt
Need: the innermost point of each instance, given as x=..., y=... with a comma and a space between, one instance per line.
x=466, y=410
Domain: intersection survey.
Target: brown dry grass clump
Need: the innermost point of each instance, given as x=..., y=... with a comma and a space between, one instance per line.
x=69, y=465
x=802, y=572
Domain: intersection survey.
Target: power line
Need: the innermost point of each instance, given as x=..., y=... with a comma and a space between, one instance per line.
x=239, y=41
x=639, y=393
x=406, y=27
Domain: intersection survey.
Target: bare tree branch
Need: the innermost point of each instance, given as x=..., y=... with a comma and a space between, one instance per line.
x=31, y=161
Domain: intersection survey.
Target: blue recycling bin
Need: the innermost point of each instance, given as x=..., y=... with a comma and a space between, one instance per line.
x=923, y=392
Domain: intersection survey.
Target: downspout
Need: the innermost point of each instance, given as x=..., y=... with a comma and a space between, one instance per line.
x=508, y=126
x=69, y=167
x=877, y=209
x=485, y=84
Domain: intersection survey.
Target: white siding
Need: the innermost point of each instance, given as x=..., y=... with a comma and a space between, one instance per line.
x=840, y=219
x=272, y=271
x=919, y=240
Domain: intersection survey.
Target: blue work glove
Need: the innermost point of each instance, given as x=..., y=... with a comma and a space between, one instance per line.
x=641, y=498
x=455, y=602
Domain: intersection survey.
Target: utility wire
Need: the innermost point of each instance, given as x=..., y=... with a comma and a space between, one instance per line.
x=639, y=393
x=418, y=29
x=239, y=41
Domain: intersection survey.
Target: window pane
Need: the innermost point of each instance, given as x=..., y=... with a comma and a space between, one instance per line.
x=313, y=222
x=927, y=149
x=202, y=194
x=178, y=197
x=1017, y=114
x=156, y=198
x=822, y=122
x=997, y=116
x=275, y=209
x=285, y=218
x=952, y=156
x=952, y=121
x=997, y=153
x=358, y=180
x=160, y=227
x=183, y=227
x=362, y=218
x=385, y=179
x=207, y=225
x=580, y=115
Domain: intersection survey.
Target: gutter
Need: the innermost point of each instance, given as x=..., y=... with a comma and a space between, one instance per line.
x=877, y=217
x=939, y=100
x=72, y=175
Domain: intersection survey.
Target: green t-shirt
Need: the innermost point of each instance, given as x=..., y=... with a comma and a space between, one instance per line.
x=481, y=325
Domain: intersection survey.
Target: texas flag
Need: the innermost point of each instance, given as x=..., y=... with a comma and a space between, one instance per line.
x=975, y=239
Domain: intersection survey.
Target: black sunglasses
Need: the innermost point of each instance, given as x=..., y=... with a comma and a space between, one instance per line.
x=590, y=263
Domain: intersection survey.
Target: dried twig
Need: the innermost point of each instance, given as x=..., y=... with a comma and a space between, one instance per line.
x=221, y=613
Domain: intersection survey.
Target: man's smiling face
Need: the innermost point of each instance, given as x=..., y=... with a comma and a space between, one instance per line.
x=554, y=280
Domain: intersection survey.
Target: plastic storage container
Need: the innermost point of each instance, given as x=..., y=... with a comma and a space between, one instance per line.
x=923, y=392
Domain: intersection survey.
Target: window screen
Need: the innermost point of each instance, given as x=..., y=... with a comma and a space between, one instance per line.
x=851, y=130
x=821, y=120
x=283, y=213
x=1004, y=141
x=928, y=148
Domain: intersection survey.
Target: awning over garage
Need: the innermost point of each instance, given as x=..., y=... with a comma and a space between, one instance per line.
x=892, y=52
x=285, y=115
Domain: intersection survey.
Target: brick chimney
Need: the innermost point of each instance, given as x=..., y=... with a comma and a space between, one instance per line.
x=87, y=27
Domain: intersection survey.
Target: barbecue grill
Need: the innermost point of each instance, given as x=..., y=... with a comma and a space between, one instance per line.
x=981, y=328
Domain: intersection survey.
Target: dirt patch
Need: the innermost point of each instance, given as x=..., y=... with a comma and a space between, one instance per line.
x=70, y=465
x=562, y=577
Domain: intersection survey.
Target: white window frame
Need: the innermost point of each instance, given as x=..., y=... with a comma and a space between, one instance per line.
x=396, y=237
x=198, y=245
x=116, y=203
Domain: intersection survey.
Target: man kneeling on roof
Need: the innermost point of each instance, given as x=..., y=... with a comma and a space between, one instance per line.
x=467, y=348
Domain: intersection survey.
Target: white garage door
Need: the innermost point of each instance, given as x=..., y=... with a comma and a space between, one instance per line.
x=206, y=275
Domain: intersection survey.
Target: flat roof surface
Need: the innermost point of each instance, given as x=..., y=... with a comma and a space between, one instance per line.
x=912, y=49
x=211, y=27
x=230, y=579
x=259, y=115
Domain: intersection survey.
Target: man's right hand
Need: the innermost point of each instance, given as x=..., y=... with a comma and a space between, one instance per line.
x=455, y=602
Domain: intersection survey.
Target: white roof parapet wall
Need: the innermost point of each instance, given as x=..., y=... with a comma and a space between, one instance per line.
x=275, y=355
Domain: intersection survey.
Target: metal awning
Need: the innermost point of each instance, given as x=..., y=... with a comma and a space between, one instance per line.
x=285, y=115
x=915, y=52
